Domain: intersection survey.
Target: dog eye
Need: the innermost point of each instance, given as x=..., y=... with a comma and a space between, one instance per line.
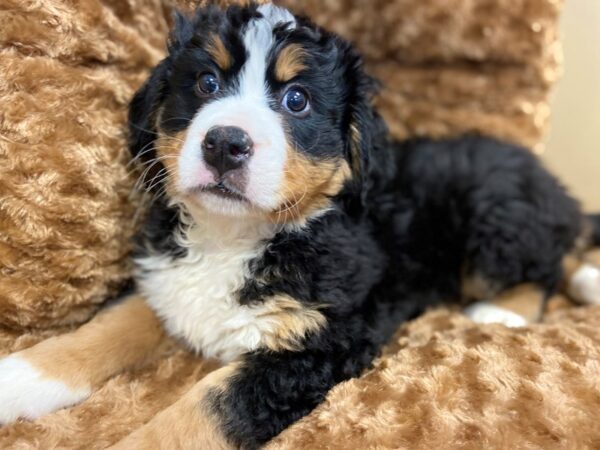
x=208, y=83
x=296, y=101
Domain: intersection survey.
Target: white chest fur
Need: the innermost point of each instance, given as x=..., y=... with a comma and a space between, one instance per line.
x=196, y=296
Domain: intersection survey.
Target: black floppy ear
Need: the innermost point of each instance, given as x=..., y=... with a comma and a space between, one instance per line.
x=146, y=101
x=366, y=127
x=143, y=109
x=181, y=33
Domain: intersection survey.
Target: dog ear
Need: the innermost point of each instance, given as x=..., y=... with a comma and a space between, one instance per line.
x=182, y=32
x=146, y=101
x=143, y=110
x=366, y=128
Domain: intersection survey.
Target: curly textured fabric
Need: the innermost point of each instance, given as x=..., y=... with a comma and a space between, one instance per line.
x=66, y=215
x=454, y=385
x=450, y=66
x=444, y=382
x=68, y=72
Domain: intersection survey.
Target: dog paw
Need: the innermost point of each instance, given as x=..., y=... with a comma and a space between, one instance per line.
x=26, y=393
x=483, y=312
x=584, y=285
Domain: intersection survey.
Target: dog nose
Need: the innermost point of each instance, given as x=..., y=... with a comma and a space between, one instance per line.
x=227, y=148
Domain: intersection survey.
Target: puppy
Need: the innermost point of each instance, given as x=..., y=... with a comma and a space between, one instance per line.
x=288, y=236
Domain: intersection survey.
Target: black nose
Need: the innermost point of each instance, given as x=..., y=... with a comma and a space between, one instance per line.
x=227, y=148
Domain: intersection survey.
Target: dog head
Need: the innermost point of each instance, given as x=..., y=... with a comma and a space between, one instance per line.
x=254, y=112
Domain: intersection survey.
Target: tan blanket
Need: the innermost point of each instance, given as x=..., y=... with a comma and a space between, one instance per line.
x=67, y=212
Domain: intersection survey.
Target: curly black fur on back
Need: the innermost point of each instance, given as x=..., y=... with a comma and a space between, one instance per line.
x=443, y=211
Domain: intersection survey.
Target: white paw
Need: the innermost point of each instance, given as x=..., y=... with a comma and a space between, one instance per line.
x=584, y=285
x=482, y=312
x=25, y=393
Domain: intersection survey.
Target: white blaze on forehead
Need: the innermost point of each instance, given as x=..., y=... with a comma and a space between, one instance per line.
x=248, y=107
x=259, y=40
x=276, y=14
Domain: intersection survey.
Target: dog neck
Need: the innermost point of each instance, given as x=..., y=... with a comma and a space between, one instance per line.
x=202, y=227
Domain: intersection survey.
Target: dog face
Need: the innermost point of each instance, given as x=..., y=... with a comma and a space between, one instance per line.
x=254, y=112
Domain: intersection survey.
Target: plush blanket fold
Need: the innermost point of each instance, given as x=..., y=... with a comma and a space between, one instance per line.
x=68, y=210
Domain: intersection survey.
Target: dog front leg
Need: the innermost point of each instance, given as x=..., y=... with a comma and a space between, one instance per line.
x=248, y=402
x=190, y=423
x=63, y=370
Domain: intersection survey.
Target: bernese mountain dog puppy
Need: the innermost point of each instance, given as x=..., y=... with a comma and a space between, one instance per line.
x=288, y=235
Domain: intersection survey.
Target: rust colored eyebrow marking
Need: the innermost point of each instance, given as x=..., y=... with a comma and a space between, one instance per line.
x=290, y=62
x=216, y=49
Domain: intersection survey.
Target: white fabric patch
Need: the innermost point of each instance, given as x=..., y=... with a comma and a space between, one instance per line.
x=584, y=285
x=483, y=312
x=25, y=393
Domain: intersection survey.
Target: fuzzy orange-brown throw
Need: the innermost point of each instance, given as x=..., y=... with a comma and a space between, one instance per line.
x=447, y=384
x=68, y=72
x=66, y=216
x=68, y=210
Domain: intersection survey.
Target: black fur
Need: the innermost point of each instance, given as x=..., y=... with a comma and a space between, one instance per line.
x=159, y=231
x=171, y=84
x=417, y=218
x=471, y=202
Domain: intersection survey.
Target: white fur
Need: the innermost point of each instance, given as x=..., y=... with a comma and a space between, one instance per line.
x=483, y=312
x=25, y=393
x=248, y=108
x=584, y=285
x=196, y=295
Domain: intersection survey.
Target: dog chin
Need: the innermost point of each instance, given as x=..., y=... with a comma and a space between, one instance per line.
x=222, y=206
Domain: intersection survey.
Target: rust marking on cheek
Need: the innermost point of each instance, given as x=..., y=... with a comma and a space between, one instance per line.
x=308, y=186
x=168, y=149
x=218, y=52
x=290, y=62
x=169, y=145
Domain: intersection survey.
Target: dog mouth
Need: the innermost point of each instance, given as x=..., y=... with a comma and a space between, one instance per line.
x=222, y=190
